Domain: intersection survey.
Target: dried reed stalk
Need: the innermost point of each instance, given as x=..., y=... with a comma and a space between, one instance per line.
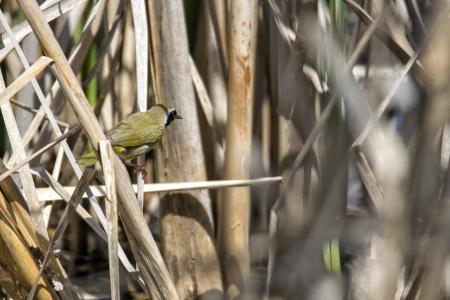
x=24, y=172
x=23, y=29
x=62, y=193
x=111, y=213
x=141, y=32
x=76, y=58
x=74, y=201
x=24, y=79
x=430, y=200
x=234, y=210
x=187, y=222
x=152, y=266
x=46, y=194
x=19, y=268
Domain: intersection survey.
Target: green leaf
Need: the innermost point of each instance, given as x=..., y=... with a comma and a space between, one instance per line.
x=331, y=256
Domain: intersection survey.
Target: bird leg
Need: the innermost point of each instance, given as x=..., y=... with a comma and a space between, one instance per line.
x=137, y=168
x=130, y=153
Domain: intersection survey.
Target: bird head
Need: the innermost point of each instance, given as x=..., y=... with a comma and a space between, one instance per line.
x=171, y=115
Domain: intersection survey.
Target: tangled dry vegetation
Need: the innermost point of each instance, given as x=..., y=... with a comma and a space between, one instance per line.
x=311, y=161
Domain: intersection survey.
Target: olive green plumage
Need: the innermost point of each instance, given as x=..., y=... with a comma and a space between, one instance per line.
x=137, y=134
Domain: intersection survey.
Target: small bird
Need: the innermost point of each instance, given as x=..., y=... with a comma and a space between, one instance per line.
x=135, y=135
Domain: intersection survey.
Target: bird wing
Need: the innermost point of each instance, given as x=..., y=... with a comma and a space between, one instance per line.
x=88, y=159
x=137, y=129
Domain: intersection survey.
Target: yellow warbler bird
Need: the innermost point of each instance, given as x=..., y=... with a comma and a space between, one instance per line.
x=137, y=134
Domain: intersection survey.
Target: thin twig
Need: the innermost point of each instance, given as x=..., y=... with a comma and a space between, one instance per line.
x=25, y=77
x=327, y=111
x=106, y=153
x=35, y=111
x=86, y=216
x=76, y=198
x=154, y=271
x=205, y=101
x=104, y=49
x=212, y=9
x=39, y=152
x=281, y=21
x=396, y=84
x=46, y=194
x=139, y=11
x=396, y=49
x=71, y=92
x=24, y=172
x=55, y=173
x=369, y=180
x=23, y=29
x=307, y=146
x=76, y=59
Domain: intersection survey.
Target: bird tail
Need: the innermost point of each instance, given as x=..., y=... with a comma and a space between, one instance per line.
x=88, y=159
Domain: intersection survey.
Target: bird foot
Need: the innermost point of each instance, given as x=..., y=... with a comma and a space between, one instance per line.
x=140, y=169
x=137, y=168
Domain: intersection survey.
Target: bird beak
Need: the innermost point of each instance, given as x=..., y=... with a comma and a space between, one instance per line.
x=178, y=117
